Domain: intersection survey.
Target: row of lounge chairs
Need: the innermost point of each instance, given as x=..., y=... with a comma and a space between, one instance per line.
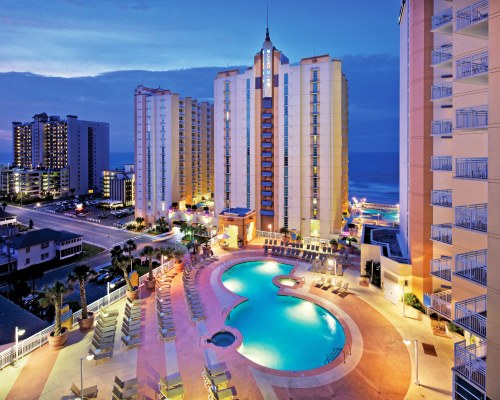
x=329, y=286
x=164, y=311
x=104, y=335
x=301, y=246
x=131, y=327
x=171, y=388
x=216, y=381
x=128, y=389
x=189, y=279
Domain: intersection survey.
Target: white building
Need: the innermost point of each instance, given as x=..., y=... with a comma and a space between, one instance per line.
x=281, y=142
x=173, y=152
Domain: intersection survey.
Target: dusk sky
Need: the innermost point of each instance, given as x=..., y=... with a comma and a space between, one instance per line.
x=78, y=38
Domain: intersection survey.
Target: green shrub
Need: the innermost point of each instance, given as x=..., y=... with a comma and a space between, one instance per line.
x=413, y=301
x=454, y=328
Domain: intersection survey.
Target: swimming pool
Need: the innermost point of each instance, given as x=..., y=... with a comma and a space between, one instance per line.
x=384, y=215
x=280, y=332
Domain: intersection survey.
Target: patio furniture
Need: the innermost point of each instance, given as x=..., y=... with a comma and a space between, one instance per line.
x=90, y=392
x=225, y=394
x=176, y=393
x=320, y=282
x=344, y=288
x=328, y=284
x=131, y=341
x=337, y=286
x=128, y=383
x=171, y=381
x=118, y=394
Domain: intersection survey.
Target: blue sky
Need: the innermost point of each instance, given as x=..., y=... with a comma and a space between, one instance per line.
x=75, y=38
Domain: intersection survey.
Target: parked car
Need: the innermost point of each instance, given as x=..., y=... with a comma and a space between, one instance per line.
x=104, y=277
x=118, y=281
x=103, y=216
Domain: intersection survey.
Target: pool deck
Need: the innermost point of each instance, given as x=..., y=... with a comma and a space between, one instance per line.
x=380, y=365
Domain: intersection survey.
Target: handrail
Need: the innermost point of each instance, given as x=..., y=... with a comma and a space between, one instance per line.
x=37, y=340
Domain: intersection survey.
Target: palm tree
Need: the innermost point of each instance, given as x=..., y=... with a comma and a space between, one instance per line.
x=116, y=252
x=149, y=253
x=161, y=225
x=139, y=221
x=284, y=231
x=53, y=296
x=122, y=263
x=82, y=274
x=129, y=247
x=164, y=252
x=178, y=255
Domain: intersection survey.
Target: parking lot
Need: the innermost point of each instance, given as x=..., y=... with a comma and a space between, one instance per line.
x=90, y=210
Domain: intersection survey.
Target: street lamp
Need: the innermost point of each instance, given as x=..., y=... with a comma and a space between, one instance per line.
x=270, y=227
x=19, y=332
x=404, y=311
x=330, y=263
x=110, y=285
x=408, y=342
x=90, y=357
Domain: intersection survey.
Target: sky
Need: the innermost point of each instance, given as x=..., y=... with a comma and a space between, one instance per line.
x=86, y=38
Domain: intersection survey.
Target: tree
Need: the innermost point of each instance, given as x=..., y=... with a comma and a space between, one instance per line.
x=185, y=228
x=32, y=273
x=53, y=296
x=161, y=225
x=129, y=247
x=116, y=252
x=178, y=255
x=149, y=253
x=122, y=264
x=164, y=252
x=284, y=231
x=82, y=274
x=299, y=237
x=139, y=221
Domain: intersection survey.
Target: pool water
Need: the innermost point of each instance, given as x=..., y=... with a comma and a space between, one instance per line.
x=222, y=339
x=385, y=215
x=280, y=332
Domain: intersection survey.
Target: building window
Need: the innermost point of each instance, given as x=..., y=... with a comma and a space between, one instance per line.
x=27, y=261
x=28, y=250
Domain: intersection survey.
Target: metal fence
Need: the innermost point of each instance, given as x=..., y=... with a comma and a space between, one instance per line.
x=306, y=240
x=39, y=339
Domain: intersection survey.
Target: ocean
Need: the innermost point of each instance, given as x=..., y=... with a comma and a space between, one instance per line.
x=374, y=176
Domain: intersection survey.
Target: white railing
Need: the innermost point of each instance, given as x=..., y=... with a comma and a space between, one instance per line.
x=441, y=163
x=472, y=217
x=469, y=118
x=441, y=91
x=472, y=14
x=442, y=18
x=441, y=267
x=470, y=361
x=37, y=340
x=476, y=64
x=473, y=266
x=443, y=127
x=441, y=198
x=471, y=315
x=305, y=240
x=472, y=168
x=445, y=53
x=441, y=302
x=442, y=233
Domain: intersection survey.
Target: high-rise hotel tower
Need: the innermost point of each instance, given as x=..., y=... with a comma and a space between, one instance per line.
x=450, y=191
x=173, y=152
x=281, y=142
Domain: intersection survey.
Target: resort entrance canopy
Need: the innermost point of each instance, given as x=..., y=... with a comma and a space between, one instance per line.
x=237, y=226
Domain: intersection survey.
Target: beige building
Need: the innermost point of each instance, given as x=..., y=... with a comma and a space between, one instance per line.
x=281, y=142
x=451, y=144
x=173, y=152
x=119, y=185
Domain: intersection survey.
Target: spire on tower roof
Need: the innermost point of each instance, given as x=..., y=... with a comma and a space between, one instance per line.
x=267, y=23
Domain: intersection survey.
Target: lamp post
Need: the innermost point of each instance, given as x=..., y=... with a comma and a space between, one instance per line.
x=110, y=285
x=19, y=332
x=408, y=342
x=270, y=227
x=88, y=358
x=404, y=311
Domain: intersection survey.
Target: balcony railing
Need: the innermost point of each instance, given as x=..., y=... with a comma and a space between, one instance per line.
x=472, y=66
x=472, y=168
x=441, y=302
x=441, y=267
x=473, y=266
x=472, y=118
x=472, y=14
x=442, y=233
x=470, y=361
x=443, y=18
x=441, y=91
x=441, y=163
x=441, y=198
x=442, y=55
x=471, y=315
x=472, y=217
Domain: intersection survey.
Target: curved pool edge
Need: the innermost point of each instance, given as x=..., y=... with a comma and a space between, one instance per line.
x=314, y=377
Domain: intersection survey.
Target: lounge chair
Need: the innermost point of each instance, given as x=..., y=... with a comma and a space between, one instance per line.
x=320, y=282
x=328, y=284
x=337, y=286
x=266, y=249
x=214, y=370
x=108, y=312
x=90, y=392
x=171, y=382
x=106, y=343
x=106, y=323
x=176, y=393
x=131, y=341
x=101, y=355
x=131, y=393
x=132, y=332
x=220, y=381
x=102, y=329
x=344, y=288
x=103, y=335
x=225, y=394
x=126, y=384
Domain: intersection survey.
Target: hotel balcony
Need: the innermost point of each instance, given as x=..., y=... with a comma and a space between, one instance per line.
x=471, y=168
x=443, y=57
x=471, y=315
x=473, y=69
x=472, y=118
x=441, y=163
x=470, y=361
x=441, y=268
x=473, y=20
x=441, y=92
x=441, y=198
x=473, y=217
x=440, y=302
x=473, y=266
x=443, y=22
x=442, y=233
x=442, y=128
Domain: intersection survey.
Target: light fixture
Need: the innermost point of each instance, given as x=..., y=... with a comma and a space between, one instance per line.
x=19, y=332
x=408, y=342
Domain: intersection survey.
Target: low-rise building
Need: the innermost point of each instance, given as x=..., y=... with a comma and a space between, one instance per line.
x=42, y=245
x=119, y=185
x=38, y=182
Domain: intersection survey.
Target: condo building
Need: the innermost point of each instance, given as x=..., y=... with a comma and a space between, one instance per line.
x=54, y=143
x=281, y=141
x=173, y=152
x=118, y=185
x=37, y=182
x=450, y=174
